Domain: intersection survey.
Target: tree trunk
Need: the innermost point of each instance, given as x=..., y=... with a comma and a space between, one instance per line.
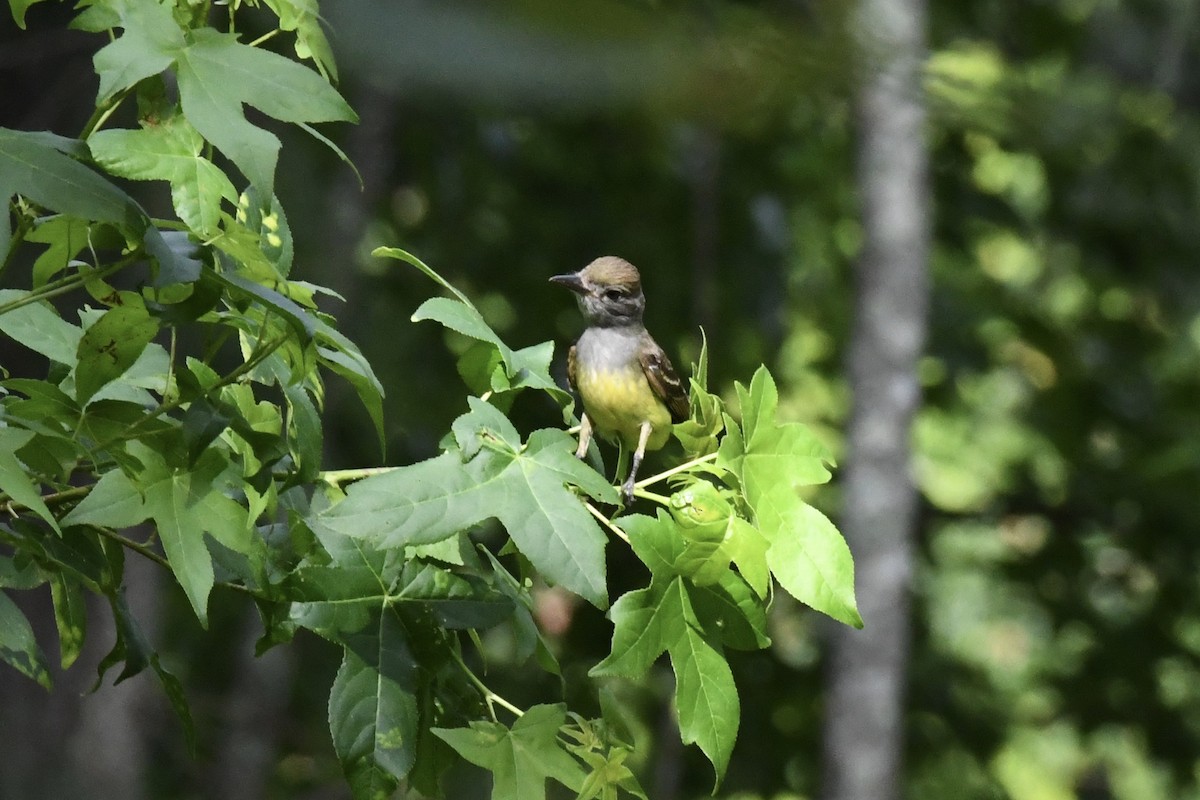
x=865, y=701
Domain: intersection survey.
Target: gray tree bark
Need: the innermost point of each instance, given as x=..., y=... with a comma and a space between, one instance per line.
x=867, y=672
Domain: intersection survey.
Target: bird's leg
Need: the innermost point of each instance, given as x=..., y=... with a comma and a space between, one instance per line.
x=627, y=487
x=585, y=436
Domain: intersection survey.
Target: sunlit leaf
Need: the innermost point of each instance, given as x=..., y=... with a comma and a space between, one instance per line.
x=169, y=150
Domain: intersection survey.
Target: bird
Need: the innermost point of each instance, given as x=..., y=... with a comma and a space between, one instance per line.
x=630, y=390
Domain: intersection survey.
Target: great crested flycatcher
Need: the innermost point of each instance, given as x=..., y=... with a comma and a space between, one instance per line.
x=629, y=389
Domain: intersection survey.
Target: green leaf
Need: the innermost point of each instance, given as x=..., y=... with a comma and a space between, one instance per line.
x=151, y=41
x=20, y=573
x=303, y=17
x=77, y=552
x=36, y=166
x=110, y=346
x=301, y=321
x=179, y=529
x=113, y=503
x=183, y=507
x=730, y=613
x=133, y=648
x=464, y=319
x=806, y=552
x=169, y=150
x=706, y=698
x=38, y=327
x=661, y=617
x=748, y=550
x=70, y=615
x=217, y=74
x=18, y=647
x=520, y=759
x=808, y=556
x=527, y=488
x=373, y=713
x=64, y=237
x=338, y=600
x=699, y=433
x=655, y=540
x=15, y=480
x=772, y=454
x=343, y=357
x=646, y=622
x=404, y=255
x=19, y=7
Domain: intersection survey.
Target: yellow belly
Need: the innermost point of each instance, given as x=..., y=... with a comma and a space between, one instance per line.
x=618, y=403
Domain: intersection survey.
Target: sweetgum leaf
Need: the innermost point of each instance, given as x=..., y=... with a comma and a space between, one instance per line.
x=662, y=616
x=169, y=150
x=40, y=328
x=646, y=622
x=528, y=488
x=217, y=74
x=520, y=759
x=373, y=713
x=808, y=556
x=110, y=346
x=18, y=647
x=706, y=698
x=806, y=553
x=15, y=481
x=70, y=616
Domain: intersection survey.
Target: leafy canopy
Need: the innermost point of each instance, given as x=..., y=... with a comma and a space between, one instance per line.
x=174, y=414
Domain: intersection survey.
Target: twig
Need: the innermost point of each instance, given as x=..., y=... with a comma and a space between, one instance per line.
x=606, y=522
x=674, y=471
x=336, y=477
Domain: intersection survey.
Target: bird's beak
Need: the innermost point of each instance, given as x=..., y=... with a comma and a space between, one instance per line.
x=572, y=281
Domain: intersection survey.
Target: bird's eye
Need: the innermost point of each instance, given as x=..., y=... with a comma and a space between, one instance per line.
x=614, y=294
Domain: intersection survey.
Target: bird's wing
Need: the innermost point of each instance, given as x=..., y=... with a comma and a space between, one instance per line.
x=571, y=367
x=663, y=379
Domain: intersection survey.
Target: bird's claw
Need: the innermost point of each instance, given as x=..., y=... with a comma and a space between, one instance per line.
x=627, y=492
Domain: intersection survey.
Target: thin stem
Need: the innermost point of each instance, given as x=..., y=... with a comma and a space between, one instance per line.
x=662, y=500
x=675, y=470
x=606, y=522
x=170, y=364
x=146, y=552
x=63, y=285
x=336, y=477
x=489, y=696
x=103, y=112
x=52, y=499
x=130, y=544
x=271, y=34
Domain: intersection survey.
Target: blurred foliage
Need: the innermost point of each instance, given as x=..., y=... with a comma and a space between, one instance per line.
x=1058, y=627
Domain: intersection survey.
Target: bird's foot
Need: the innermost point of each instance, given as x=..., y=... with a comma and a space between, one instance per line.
x=627, y=492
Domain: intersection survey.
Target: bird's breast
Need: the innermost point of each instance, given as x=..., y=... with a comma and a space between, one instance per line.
x=619, y=400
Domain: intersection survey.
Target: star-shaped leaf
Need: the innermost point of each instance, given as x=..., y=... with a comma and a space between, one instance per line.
x=528, y=487
x=217, y=74
x=521, y=758
x=169, y=150
x=805, y=552
x=663, y=617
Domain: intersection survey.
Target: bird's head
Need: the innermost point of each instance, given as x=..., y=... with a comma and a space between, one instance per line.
x=609, y=291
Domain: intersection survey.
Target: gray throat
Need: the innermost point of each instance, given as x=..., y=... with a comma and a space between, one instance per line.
x=609, y=349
